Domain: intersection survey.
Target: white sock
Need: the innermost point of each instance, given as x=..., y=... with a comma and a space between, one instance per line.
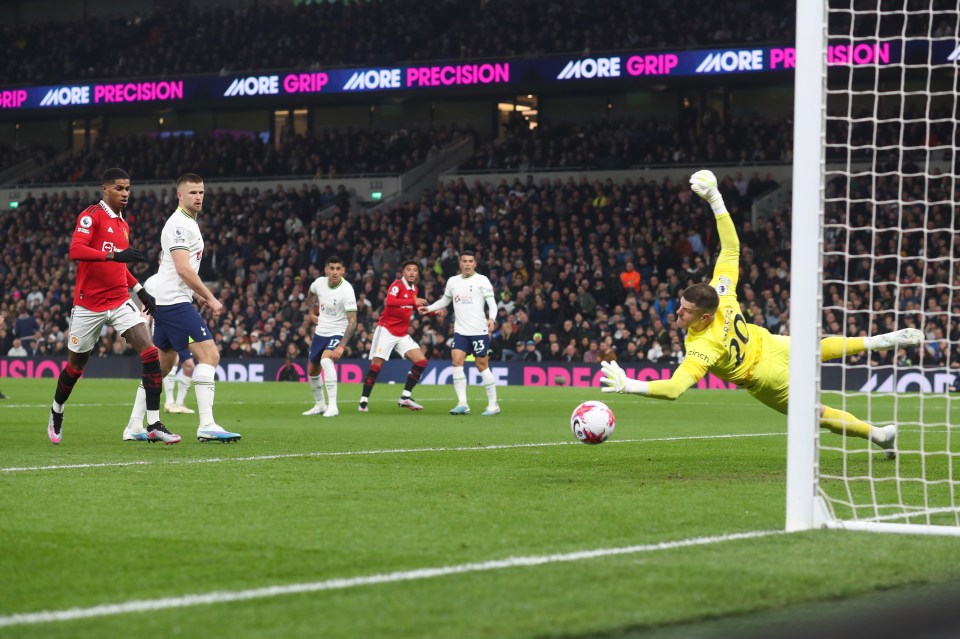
x=460, y=385
x=489, y=385
x=169, y=384
x=204, y=376
x=57, y=408
x=183, y=387
x=330, y=380
x=316, y=387
x=139, y=410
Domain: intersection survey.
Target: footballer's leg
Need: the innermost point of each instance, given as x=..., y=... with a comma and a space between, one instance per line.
x=489, y=386
x=317, y=346
x=330, y=383
x=204, y=378
x=139, y=337
x=184, y=382
x=419, y=363
x=169, y=386
x=84, y=333
x=835, y=347
x=843, y=423
x=457, y=357
x=369, y=379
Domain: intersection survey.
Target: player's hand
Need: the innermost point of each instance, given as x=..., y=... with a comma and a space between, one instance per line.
x=149, y=301
x=215, y=307
x=491, y=326
x=614, y=377
x=420, y=302
x=704, y=184
x=337, y=353
x=129, y=254
x=422, y=310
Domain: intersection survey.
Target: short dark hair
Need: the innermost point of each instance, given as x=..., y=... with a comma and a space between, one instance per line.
x=189, y=177
x=468, y=254
x=703, y=296
x=112, y=175
x=333, y=259
x=407, y=263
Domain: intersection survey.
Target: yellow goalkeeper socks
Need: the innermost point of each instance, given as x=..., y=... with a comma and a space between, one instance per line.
x=834, y=347
x=843, y=423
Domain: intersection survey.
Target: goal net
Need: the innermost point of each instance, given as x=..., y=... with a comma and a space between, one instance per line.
x=885, y=75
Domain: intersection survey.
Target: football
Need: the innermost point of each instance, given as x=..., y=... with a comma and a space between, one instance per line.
x=592, y=422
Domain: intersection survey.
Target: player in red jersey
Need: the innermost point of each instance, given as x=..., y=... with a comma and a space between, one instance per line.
x=101, y=246
x=391, y=335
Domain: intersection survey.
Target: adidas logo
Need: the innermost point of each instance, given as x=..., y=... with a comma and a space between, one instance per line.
x=109, y=229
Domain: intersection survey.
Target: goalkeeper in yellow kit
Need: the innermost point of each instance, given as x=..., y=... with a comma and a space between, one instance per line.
x=720, y=341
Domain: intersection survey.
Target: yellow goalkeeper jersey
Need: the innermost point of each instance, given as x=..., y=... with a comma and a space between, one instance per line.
x=728, y=347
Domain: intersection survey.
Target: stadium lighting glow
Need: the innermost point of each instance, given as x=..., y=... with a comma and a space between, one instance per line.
x=376, y=195
x=14, y=205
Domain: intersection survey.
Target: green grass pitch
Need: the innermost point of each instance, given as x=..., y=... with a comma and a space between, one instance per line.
x=308, y=500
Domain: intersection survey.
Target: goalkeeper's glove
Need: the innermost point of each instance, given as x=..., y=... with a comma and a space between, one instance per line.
x=617, y=381
x=149, y=301
x=128, y=255
x=704, y=184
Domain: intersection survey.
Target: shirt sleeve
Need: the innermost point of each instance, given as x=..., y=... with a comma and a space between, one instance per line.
x=350, y=303
x=701, y=354
x=444, y=301
x=727, y=270
x=80, y=249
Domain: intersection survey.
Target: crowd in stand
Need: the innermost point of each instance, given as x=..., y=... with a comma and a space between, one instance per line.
x=582, y=271
x=327, y=153
x=269, y=35
x=622, y=143
x=601, y=144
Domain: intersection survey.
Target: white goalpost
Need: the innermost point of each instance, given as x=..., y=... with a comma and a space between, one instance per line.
x=875, y=248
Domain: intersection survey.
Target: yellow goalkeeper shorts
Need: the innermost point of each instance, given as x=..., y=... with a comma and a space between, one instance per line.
x=771, y=378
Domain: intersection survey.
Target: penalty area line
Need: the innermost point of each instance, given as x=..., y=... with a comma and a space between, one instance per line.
x=379, y=451
x=211, y=598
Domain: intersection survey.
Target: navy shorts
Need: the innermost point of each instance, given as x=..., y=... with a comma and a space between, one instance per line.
x=177, y=325
x=322, y=343
x=478, y=345
x=185, y=354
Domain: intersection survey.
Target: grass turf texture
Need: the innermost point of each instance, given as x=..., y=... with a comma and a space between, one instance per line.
x=82, y=537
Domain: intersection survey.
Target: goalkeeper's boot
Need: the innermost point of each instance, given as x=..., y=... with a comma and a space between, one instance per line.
x=55, y=426
x=885, y=438
x=216, y=433
x=135, y=433
x=159, y=433
x=460, y=409
x=408, y=402
x=491, y=410
x=317, y=409
x=896, y=339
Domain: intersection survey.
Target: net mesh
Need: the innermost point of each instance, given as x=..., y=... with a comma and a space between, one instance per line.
x=890, y=255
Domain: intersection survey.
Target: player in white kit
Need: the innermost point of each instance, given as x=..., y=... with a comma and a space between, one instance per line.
x=470, y=292
x=336, y=318
x=177, y=324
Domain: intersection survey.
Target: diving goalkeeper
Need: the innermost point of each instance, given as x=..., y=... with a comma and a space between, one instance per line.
x=720, y=341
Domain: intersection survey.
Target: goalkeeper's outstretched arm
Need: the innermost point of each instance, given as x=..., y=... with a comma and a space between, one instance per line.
x=616, y=381
x=704, y=184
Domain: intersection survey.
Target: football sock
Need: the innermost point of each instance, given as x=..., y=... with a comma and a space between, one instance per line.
x=183, y=387
x=490, y=385
x=370, y=379
x=151, y=382
x=460, y=385
x=316, y=387
x=843, y=423
x=203, y=385
x=139, y=409
x=414, y=376
x=330, y=380
x=169, y=386
x=65, y=383
x=834, y=347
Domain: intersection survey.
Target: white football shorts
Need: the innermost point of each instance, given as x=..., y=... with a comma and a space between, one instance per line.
x=86, y=325
x=384, y=342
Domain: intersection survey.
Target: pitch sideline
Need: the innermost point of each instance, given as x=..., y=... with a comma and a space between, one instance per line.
x=342, y=583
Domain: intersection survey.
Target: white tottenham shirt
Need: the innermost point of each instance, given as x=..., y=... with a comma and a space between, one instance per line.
x=334, y=304
x=180, y=233
x=469, y=295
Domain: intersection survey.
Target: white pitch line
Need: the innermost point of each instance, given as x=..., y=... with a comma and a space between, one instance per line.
x=380, y=451
x=209, y=598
